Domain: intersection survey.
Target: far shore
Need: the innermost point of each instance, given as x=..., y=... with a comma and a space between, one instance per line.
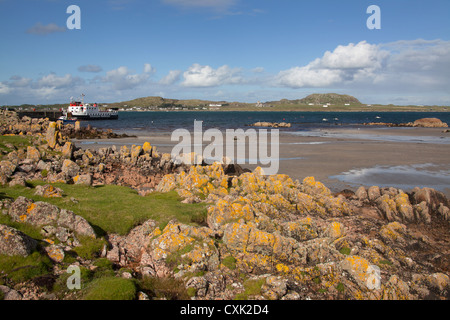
x=397, y=157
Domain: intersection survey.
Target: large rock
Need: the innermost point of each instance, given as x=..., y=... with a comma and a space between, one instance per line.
x=7, y=168
x=33, y=154
x=15, y=243
x=357, y=267
x=432, y=197
x=10, y=294
x=435, y=202
x=223, y=212
x=374, y=193
x=430, y=123
x=41, y=214
x=48, y=191
x=361, y=193
x=84, y=179
x=67, y=150
x=70, y=168
x=52, y=135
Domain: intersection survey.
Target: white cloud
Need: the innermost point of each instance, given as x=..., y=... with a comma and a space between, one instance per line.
x=25, y=90
x=18, y=81
x=206, y=76
x=426, y=59
x=41, y=29
x=4, y=88
x=123, y=79
x=258, y=70
x=401, y=67
x=53, y=81
x=299, y=77
x=360, y=56
x=171, y=78
x=345, y=63
x=148, y=68
x=411, y=72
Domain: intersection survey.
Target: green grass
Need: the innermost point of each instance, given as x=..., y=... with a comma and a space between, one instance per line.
x=174, y=259
x=115, y=209
x=385, y=262
x=165, y=288
x=31, y=231
x=229, y=262
x=20, y=269
x=111, y=288
x=9, y=143
x=90, y=247
x=252, y=288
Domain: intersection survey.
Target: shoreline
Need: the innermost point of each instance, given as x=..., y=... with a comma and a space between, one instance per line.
x=343, y=158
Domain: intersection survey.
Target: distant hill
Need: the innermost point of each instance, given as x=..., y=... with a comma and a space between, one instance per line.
x=147, y=102
x=317, y=99
x=321, y=98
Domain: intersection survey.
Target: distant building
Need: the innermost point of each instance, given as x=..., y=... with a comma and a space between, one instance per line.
x=215, y=105
x=259, y=104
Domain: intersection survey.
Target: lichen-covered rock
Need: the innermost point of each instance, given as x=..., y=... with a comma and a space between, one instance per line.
x=224, y=212
x=313, y=187
x=404, y=208
x=147, y=148
x=274, y=288
x=70, y=168
x=67, y=150
x=33, y=154
x=300, y=230
x=373, y=193
x=173, y=238
x=394, y=232
x=439, y=281
x=75, y=222
x=48, y=191
x=361, y=194
x=335, y=230
x=42, y=213
x=432, y=197
x=357, y=267
x=52, y=135
x=7, y=168
x=84, y=179
x=15, y=243
x=55, y=252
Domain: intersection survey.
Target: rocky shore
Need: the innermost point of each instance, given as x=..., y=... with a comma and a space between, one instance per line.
x=264, y=237
x=271, y=124
x=422, y=123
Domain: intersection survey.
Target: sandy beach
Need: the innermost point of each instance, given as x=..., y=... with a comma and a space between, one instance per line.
x=347, y=158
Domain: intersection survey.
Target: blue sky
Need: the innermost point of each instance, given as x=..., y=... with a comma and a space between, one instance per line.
x=233, y=50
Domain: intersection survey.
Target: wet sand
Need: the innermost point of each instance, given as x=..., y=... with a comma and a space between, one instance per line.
x=347, y=158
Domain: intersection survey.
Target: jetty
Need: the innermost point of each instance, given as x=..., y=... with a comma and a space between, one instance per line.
x=41, y=114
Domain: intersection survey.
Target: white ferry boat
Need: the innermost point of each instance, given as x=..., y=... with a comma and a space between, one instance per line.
x=78, y=110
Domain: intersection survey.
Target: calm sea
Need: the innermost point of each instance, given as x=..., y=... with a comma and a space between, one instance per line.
x=160, y=122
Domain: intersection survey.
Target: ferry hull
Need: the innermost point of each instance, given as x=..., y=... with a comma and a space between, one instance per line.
x=88, y=117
